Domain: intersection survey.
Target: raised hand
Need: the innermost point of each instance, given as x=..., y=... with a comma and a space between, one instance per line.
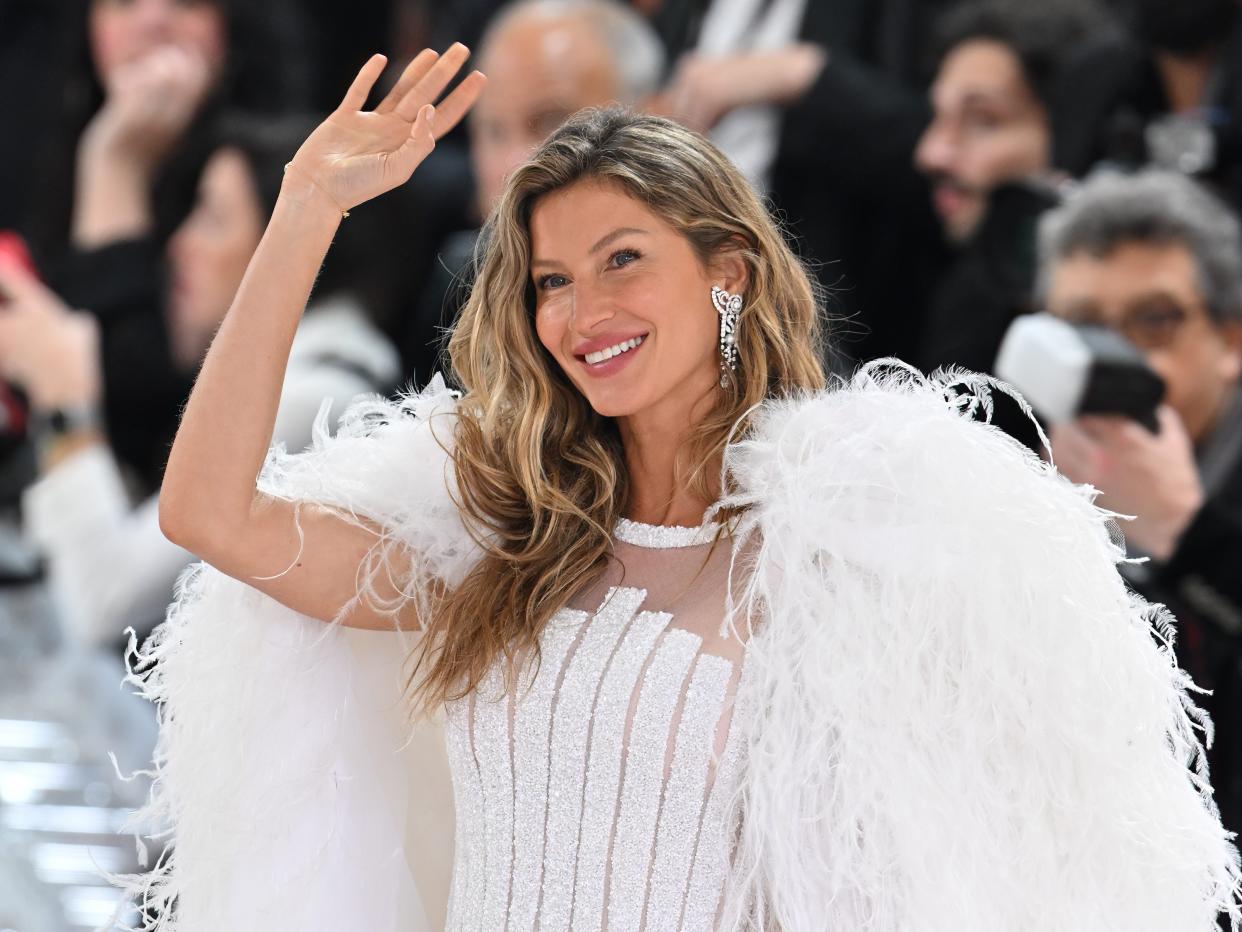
x=355, y=155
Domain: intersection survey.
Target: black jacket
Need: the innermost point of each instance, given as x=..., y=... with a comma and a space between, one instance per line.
x=843, y=182
x=122, y=285
x=1114, y=92
x=1202, y=585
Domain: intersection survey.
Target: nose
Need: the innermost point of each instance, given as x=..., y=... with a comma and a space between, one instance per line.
x=176, y=245
x=154, y=19
x=936, y=149
x=591, y=307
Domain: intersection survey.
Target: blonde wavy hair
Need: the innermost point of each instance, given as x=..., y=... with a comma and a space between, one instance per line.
x=540, y=476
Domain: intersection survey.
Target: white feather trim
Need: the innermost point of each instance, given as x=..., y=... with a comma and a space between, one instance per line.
x=280, y=782
x=959, y=719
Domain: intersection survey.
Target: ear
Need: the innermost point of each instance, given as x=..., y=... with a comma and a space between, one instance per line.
x=1231, y=360
x=729, y=269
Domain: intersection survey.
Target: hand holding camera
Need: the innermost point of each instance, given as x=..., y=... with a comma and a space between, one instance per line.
x=1108, y=427
x=1151, y=476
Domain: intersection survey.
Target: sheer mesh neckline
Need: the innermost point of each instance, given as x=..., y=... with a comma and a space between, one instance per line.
x=664, y=536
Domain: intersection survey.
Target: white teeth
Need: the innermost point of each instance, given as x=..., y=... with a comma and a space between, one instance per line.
x=610, y=351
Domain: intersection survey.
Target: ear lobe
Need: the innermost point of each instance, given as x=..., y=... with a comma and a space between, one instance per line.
x=1231, y=363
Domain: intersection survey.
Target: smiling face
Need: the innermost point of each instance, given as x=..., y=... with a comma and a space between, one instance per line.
x=623, y=303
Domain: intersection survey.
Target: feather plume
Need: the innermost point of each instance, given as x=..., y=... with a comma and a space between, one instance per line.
x=959, y=719
x=280, y=785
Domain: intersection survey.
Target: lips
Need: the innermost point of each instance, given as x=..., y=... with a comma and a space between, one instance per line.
x=606, y=341
x=950, y=198
x=604, y=356
x=615, y=349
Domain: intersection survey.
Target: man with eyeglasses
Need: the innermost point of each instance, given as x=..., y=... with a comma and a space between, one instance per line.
x=1158, y=259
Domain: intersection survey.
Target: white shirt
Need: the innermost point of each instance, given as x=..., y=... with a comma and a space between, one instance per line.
x=749, y=135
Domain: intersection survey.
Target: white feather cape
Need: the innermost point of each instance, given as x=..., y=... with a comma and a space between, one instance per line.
x=958, y=717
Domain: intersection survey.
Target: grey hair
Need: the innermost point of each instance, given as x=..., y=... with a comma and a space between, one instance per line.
x=1155, y=207
x=637, y=53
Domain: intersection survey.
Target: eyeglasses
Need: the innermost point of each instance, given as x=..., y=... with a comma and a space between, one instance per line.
x=1149, y=325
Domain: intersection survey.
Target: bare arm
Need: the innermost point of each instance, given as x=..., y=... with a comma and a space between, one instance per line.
x=209, y=502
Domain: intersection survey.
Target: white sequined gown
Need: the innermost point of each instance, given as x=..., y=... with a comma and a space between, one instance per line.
x=595, y=796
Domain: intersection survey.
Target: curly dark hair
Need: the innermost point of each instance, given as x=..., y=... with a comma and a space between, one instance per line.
x=1044, y=34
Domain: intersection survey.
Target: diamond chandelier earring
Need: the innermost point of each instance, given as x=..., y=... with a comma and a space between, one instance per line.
x=728, y=306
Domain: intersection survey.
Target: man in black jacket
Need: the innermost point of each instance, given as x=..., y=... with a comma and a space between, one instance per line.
x=1159, y=260
x=987, y=156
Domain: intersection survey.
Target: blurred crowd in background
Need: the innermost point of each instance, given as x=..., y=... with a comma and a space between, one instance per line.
x=944, y=168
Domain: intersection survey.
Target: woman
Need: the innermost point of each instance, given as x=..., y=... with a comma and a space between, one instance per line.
x=144, y=82
x=111, y=567
x=834, y=719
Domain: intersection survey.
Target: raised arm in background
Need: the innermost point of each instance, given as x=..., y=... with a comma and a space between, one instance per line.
x=209, y=502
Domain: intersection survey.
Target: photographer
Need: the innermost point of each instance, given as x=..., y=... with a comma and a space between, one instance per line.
x=140, y=87
x=1157, y=259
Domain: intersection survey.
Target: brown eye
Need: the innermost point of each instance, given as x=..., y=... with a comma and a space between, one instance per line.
x=1154, y=326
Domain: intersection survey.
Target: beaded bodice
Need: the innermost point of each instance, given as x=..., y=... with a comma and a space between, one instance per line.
x=595, y=795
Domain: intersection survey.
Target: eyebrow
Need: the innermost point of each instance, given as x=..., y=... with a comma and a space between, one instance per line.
x=990, y=97
x=603, y=242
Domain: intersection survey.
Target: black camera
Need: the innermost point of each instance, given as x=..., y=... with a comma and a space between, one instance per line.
x=1065, y=370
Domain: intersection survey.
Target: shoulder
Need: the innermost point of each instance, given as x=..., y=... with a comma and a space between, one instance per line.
x=901, y=459
x=390, y=461
x=386, y=456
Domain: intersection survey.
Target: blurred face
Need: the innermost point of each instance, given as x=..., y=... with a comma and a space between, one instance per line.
x=623, y=303
x=540, y=71
x=1150, y=294
x=988, y=127
x=209, y=253
x=123, y=31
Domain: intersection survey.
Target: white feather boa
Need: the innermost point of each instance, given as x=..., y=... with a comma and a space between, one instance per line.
x=288, y=780
x=959, y=720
